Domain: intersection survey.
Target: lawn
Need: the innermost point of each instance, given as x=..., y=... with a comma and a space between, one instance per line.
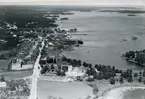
x=63, y=90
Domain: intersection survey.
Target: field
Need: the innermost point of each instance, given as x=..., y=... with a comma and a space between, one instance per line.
x=63, y=90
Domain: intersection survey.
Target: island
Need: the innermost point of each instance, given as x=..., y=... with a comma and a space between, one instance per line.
x=137, y=57
x=64, y=18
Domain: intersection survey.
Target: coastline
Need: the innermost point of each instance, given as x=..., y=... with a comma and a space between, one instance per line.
x=133, y=61
x=117, y=91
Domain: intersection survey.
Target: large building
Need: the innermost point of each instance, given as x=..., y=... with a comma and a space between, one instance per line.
x=16, y=64
x=75, y=71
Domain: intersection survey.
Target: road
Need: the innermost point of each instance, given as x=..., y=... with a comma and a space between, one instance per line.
x=36, y=73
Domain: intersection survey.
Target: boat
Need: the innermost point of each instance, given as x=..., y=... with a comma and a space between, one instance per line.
x=131, y=15
x=134, y=37
x=124, y=39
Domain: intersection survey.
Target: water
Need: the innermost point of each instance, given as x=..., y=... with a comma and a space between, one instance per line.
x=105, y=31
x=136, y=94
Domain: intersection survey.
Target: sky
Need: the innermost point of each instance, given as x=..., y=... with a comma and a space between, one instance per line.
x=75, y=2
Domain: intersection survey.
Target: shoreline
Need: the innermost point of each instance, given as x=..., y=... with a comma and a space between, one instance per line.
x=133, y=61
x=105, y=94
x=117, y=92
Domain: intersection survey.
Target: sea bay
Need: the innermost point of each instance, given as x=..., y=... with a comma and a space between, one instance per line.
x=105, y=31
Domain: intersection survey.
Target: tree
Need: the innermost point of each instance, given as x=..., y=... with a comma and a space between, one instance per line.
x=54, y=61
x=79, y=63
x=100, y=75
x=2, y=79
x=112, y=81
x=64, y=58
x=52, y=67
x=144, y=81
x=127, y=55
x=79, y=78
x=95, y=76
x=74, y=62
x=140, y=79
x=130, y=79
x=113, y=68
x=135, y=74
x=144, y=73
x=140, y=73
x=140, y=58
x=90, y=65
x=121, y=80
x=85, y=64
x=90, y=79
x=99, y=67
x=44, y=70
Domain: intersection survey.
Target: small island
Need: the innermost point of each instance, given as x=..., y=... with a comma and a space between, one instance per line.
x=73, y=30
x=137, y=57
x=64, y=18
x=134, y=38
x=131, y=15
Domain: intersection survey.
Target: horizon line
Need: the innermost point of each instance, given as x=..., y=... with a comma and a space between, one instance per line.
x=30, y=4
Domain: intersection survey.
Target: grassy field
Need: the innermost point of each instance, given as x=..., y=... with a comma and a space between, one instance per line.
x=12, y=75
x=63, y=90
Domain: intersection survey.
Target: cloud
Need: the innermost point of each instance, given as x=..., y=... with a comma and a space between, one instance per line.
x=88, y=2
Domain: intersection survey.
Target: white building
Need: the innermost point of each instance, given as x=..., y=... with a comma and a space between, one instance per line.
x=50, y=44
x=17, y=65
x=75, y=72
x=3, y=84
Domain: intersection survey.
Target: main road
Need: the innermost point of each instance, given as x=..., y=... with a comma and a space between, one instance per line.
x=35, y=75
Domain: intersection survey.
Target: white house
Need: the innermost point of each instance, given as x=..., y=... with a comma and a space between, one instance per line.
x=50, y=44
x=75, y=72
x=3, y=84
x=17, y=65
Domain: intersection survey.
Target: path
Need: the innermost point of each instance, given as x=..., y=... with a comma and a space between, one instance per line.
x=36, y=72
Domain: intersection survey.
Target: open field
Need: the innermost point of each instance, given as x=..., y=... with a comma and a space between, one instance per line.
x=12, y=75
x=63, y=90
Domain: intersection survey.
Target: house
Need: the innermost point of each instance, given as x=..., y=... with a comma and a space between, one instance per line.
x=17, y=64
x=3, y=84
x=3, y=41
x=50, y=44
x=75, y=71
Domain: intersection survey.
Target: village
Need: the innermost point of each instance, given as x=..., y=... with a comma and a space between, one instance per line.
x=37, y=47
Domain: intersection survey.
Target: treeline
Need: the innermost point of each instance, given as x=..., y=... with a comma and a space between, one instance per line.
x=97, y=71
x=9, y=40
x=128, y=75
x=27, y=19
x=104, y=72
x=94, y=72
x=125, y=11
